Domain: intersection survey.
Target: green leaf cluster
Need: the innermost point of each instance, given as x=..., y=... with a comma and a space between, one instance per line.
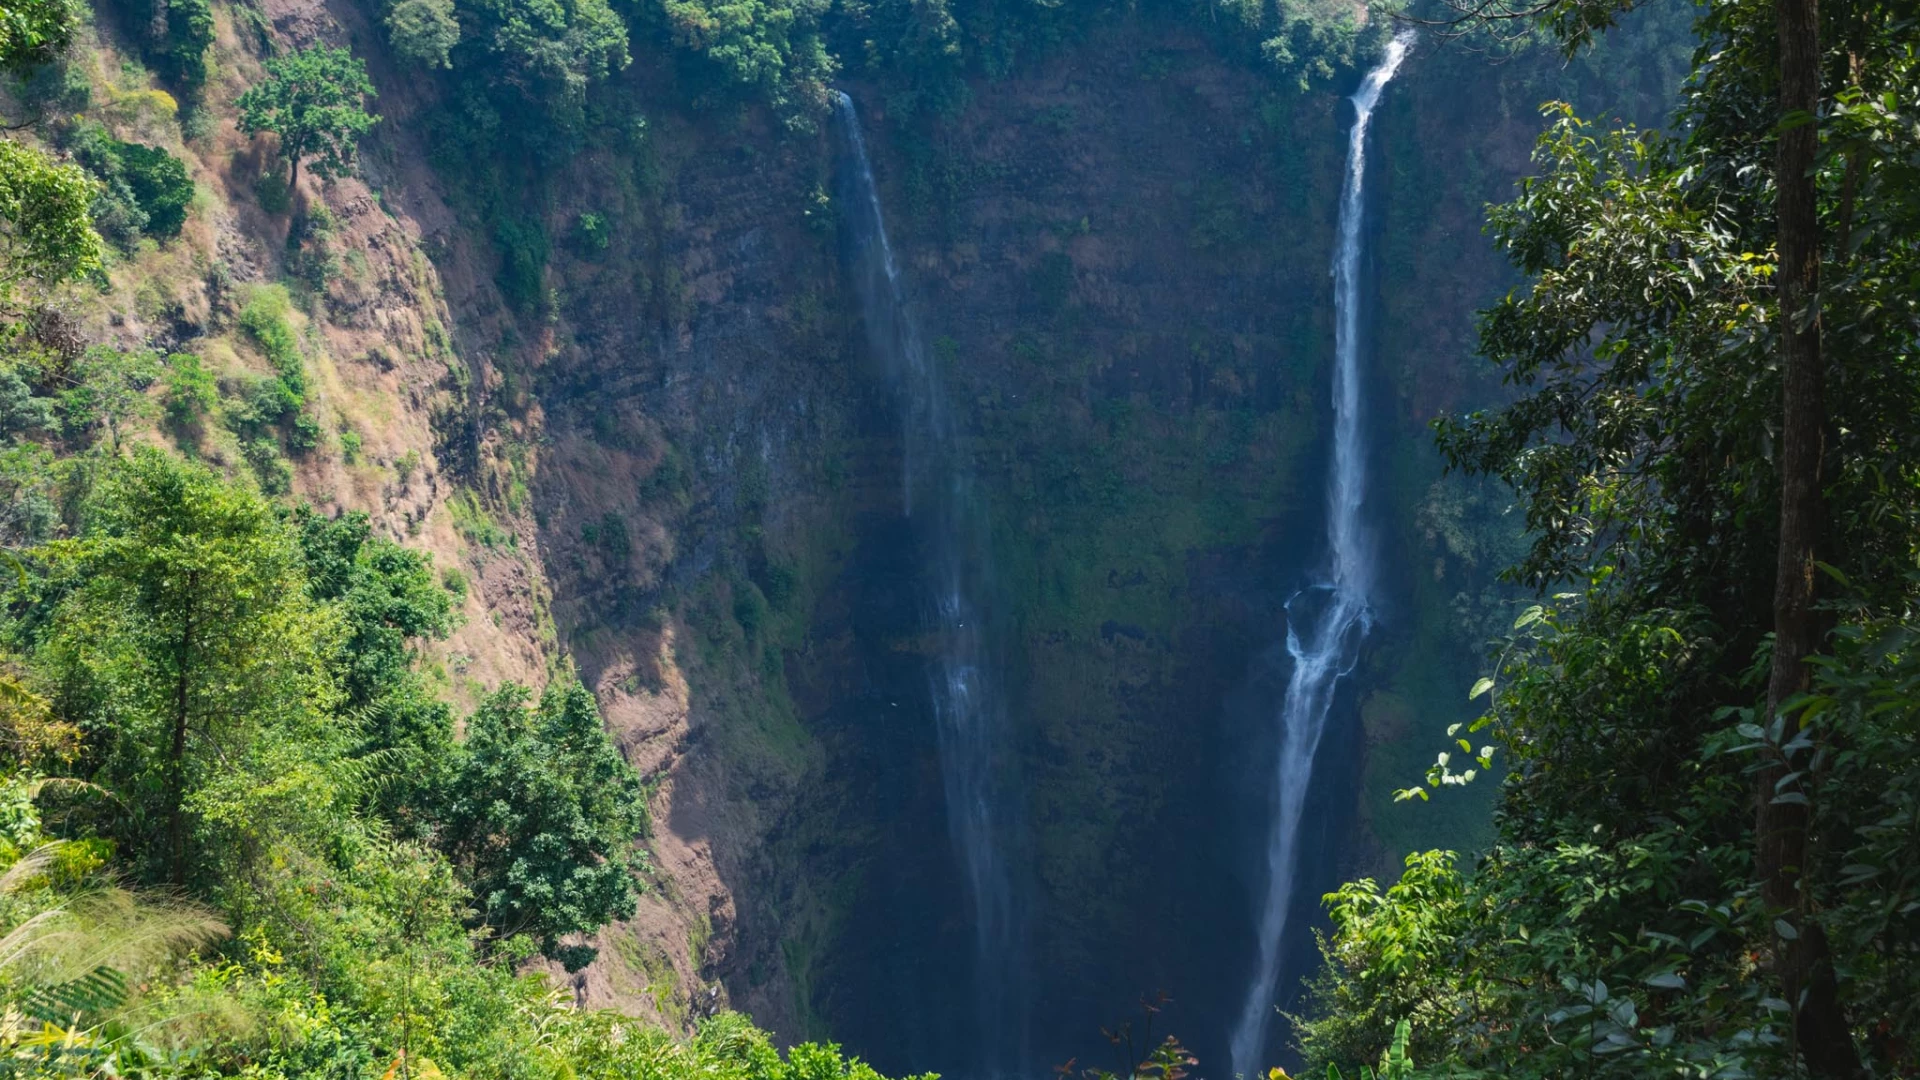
x=46, y=231
x=33, y=32
x=144, y=190
x=175, y=35
x=312, y=99
x=541, y=809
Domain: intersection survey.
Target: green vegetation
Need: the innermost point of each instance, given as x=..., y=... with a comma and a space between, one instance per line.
x=175, y=36
x=312, y=100
x=1707, y=721
x=190, y=391
x=144, y=191
x=270, y=847
x=205, y=692
x=541, y=811
x=32, y=32
x=48, y=236
x=424, y=31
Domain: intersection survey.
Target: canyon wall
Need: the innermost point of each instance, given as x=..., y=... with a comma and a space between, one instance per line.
x=1120, y=257
x=667, y=458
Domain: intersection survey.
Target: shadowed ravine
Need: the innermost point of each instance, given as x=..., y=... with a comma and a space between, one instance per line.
x=969, y=706
x=1326, y=622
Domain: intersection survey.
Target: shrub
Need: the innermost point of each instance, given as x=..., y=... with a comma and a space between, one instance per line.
x=144, y=189
x=424, y=31
x=20, y=411
x=592, y=233
x=265, y=320
x=189, y=36
x=159, y=183
x=272, y=193
x=305, y=434
x=58, y=88
x=272, y=470
x=189, y=392
x=115, y=211
x=196, y=123
x=523, y=261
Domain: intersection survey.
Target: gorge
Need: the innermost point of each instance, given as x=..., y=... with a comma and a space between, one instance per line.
x=1017, y=572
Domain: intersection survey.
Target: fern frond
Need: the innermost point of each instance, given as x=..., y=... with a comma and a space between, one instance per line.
x=98, y=991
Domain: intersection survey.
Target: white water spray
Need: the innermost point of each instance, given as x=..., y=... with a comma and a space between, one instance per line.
x=969, y=712
x=1326, y=622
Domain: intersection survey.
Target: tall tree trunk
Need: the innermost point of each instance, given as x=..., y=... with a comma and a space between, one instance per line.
x=1805, y=958
x=177, y=758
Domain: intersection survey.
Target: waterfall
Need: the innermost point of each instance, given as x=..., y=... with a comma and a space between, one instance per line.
x=1327, y=621
x=969, y=711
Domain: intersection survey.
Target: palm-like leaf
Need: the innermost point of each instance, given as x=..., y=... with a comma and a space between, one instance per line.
x=66, y=968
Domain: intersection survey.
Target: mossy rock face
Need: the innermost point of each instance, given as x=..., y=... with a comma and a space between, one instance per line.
x=1134, y=314
x=1124, y=282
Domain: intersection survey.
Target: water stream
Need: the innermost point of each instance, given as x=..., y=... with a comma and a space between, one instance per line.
x=1326, y=622
x=968, y=706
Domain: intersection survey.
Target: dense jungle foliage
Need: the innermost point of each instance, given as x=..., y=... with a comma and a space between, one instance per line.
x=1711, y=807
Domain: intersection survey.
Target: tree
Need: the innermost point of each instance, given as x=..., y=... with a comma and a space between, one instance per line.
x=542, y=818
x=1711, y=341
x=546, y=54
x=184, y=644
x=33, y=32
x=388, y=599
x=424, y=31
x=312, y=100
x=46, y=233
x=159, y=182
x=1780, y=825
x=190, y=33
x=147, y=190
x=385, y=592
x=109, y=387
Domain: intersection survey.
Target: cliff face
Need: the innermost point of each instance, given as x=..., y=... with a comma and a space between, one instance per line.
x=1120, y=258
x=682, y=474
x=1121, y=255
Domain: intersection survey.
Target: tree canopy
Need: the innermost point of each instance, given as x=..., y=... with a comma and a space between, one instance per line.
x=539, y=811
x=1714, y=364
x=424, y=31
x=313, y=100
x=271, y=854
x=33, y=32
x=46, y=233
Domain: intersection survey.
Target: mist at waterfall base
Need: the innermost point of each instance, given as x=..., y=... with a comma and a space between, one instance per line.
x=950, y=963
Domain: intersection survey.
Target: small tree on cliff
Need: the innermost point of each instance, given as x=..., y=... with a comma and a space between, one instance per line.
x=311, y=99
x=542, y=819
